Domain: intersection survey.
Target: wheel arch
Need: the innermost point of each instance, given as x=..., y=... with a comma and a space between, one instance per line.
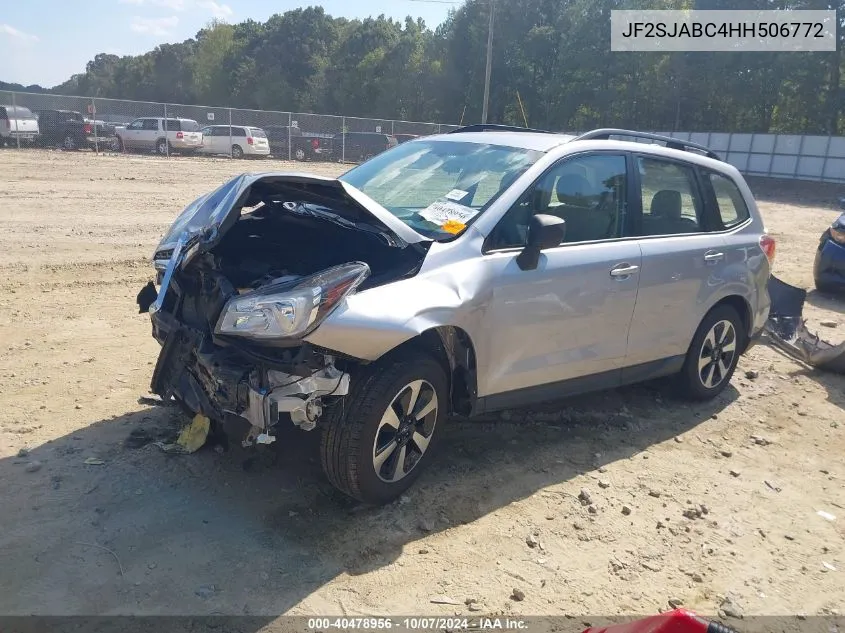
x=452, y=347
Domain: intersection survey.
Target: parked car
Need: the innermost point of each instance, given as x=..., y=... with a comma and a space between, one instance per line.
x=518, y=267
x=829, y=265
x=161, y=135
x=361, y=146
x=17, y=123
x=71, y=130
x=291, y=142
x=237, y=141
x=404, y=138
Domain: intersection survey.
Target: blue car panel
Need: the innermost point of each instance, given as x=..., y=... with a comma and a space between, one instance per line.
x=829, y=266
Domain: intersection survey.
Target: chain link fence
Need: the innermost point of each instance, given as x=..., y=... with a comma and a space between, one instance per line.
x=172, y=129
x=114, y=125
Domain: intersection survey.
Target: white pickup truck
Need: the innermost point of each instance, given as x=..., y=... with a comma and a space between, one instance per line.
x=160, y=134
x=17, y=124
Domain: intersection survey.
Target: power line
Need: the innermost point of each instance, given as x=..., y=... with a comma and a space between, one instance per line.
x=489, y=65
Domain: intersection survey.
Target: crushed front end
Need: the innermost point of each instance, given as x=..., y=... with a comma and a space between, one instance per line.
x=239, y=294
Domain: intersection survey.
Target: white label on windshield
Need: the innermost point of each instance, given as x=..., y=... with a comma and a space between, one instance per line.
x=456, y=194
x=441, y=211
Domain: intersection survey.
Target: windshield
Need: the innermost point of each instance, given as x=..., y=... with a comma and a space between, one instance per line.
x=436, y=187
x=257, y=132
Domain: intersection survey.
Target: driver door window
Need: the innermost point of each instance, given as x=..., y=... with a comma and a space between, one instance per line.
x=136, y=125
x=588, y=192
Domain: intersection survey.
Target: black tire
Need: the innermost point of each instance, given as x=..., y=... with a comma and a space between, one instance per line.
x=163, y=147
x=350, y=428
x=237, y=151
x=118, y=144
x=695, y=376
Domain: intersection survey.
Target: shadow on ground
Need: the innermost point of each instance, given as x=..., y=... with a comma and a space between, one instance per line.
x=244, y=533
x=828, y=301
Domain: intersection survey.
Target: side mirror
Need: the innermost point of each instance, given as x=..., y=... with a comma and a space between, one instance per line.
x=842, y=203
x=544, y=231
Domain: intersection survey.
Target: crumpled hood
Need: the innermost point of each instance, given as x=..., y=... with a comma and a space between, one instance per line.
x=210, y=216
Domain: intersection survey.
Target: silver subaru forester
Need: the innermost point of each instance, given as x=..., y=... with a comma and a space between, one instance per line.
x=458, y=274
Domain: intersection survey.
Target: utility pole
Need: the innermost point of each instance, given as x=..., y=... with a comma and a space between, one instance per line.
x=489, y=66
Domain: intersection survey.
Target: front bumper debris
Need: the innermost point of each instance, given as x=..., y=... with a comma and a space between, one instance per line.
x=787, y=331
x=298, y=397
x=222, y=383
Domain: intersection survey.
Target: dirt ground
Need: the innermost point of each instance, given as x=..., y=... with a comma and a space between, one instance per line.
x=229, y=532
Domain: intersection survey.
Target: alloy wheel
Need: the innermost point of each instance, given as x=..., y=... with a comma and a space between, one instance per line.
x=69, y=142
x=717, y=354
x=405, y=431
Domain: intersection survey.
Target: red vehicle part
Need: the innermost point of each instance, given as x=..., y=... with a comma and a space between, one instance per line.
x=677, y=621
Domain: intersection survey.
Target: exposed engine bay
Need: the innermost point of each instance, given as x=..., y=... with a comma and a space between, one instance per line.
x=232, y=312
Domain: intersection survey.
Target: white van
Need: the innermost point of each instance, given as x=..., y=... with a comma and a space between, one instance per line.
x=17, y=123
x=240, y=142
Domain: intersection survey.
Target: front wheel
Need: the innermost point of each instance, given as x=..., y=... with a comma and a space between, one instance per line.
x=713, y=354
x=376, y=443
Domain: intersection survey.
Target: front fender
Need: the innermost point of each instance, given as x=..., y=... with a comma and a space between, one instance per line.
x=374, y=322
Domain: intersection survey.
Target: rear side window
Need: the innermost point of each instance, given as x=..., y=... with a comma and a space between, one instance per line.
x=729, y=200
x=239, y=132
x=15, y=112
x=172, y=125
x=669, y=197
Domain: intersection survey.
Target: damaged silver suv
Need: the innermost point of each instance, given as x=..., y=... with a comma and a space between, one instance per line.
x=458, y=274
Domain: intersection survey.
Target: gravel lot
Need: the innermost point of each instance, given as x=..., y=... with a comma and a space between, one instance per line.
x=687, y=505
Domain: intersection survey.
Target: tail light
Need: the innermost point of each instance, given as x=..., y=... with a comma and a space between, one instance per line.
x=249, y=140
x=87, y=128
x=315, y=144
x=180, y=135
x=767, y=243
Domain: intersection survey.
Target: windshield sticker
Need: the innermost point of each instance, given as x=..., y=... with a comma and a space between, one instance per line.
x=442, y=211
x=456, y=194
x=453, y=226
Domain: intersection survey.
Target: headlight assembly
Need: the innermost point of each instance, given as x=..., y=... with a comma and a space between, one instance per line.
x=290, y=310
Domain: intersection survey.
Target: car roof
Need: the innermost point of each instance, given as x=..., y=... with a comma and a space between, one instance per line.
x=545, y=142
x=537, y=141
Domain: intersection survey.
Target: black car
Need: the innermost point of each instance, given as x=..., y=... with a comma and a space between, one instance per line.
x=70, y=130
x=360, y=146
x=292, y=143
x=829, y=266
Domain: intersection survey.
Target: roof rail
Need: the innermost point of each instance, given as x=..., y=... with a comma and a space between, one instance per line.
x=495, y=127
x=673, y=143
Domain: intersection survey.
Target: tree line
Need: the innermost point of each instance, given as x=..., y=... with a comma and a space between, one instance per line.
x=552, y=68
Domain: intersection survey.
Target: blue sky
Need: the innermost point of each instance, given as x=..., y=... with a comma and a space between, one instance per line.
x=46, y=41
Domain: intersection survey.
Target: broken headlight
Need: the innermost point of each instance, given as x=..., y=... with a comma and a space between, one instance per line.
x=290, y=310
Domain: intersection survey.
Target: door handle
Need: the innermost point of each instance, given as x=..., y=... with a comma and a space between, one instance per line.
x=713, y=256
x=624, y=270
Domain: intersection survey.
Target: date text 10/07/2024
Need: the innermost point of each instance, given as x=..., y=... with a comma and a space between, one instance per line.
x=417, y=624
